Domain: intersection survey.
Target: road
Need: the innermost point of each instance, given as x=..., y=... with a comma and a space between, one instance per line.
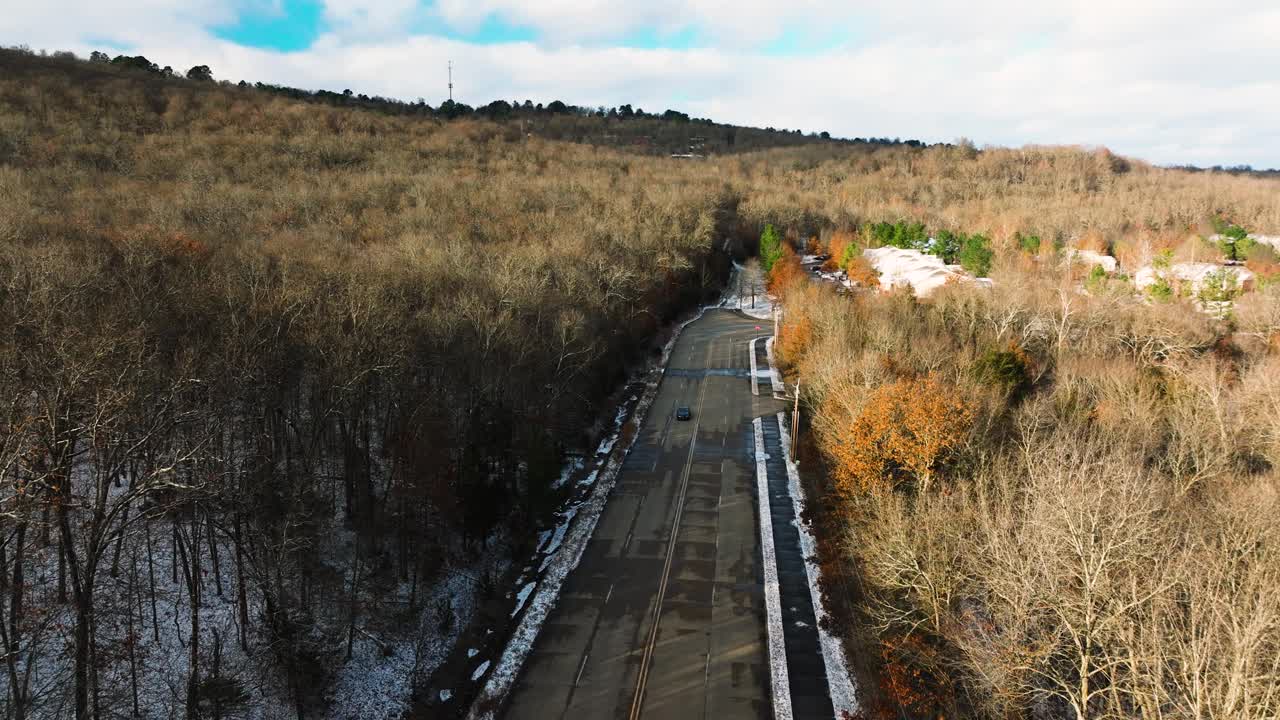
x=664, y=617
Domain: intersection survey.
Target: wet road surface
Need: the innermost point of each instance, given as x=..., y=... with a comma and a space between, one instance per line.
x=664, y=617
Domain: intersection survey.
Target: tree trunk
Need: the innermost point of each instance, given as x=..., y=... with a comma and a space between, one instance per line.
x=348, y=471
x=151, y=579
x=83, y=612
x=242, y=600
x=351, y=600
x=62, y=571
x=93, y=665
x=173, y=566
x=82, y=590
x=115, y=556
x=213, y=555
x=132, y=637
x=217, y=672
x=191, y=573
x=16, y=588
x=13, y=637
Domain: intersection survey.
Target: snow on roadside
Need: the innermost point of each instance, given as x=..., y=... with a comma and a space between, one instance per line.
x=780, y=685
x=843, y=694
x=755, y=371
x=496, y=688
x=522, y=597
x=606, y=447
x=567, y=472
x=779, y=388
x=558, y=537
x=590, y=479
x=542, y=539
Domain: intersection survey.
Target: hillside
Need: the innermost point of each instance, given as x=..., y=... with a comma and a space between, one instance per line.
x=326, y=357
x=291, y=388
x=631, y=129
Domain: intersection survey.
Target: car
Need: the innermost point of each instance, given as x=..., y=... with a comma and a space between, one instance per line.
x=683, y=413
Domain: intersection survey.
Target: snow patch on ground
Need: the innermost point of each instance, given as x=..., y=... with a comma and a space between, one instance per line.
x=377, y=681
x=746, y=292
x=590, y=479
x=558, y=538
x=779, y=683
x=373, y=684
x=843, y=693
x=522, y=597
x=567, y=472
x=606, y=447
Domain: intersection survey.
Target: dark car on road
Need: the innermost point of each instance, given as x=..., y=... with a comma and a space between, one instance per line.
x=683, y=413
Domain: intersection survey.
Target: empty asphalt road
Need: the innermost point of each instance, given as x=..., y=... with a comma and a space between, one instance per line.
x=664, y=617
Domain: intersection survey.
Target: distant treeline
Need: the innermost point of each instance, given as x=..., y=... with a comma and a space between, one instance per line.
x=624, y=125
x=1232, y=170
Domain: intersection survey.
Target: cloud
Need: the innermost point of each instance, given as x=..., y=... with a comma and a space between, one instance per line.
x=365, y=19
x=1171, y=81
x=736, y=23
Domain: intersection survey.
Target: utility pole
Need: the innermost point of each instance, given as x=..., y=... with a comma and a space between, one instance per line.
x=450, y=81
x=795, y=426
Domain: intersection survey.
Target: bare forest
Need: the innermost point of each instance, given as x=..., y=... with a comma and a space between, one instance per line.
x=268, y=368
x=276, y=375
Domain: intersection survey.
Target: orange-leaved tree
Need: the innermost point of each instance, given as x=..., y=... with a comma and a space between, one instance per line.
x=908, y=686
x=836, y=247
x=794, y=337
x=904, y=435
x=786, y=273
x=860, y=272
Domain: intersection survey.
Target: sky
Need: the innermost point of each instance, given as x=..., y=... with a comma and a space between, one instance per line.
x=1168, y=81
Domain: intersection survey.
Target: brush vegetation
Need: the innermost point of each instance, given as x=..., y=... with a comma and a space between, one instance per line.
x=1039, y=501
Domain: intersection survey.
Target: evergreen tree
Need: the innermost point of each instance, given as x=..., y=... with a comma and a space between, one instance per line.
x=770, y=247
x=976, y=254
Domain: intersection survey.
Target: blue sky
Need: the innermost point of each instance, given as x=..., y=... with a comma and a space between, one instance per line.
x=1171, y=81
x=294, y=25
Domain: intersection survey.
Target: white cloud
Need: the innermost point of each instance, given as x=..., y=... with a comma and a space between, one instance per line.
x=730, y=22
x=1169, y=80
x=365, y=19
